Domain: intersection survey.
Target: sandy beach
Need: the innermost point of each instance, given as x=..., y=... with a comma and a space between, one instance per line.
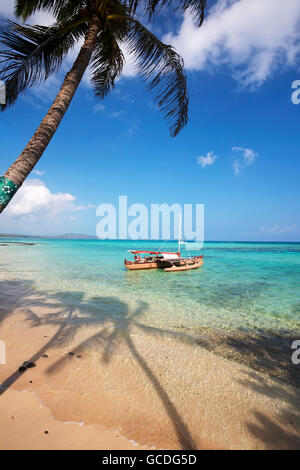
x=26, y=423
x=118, y=387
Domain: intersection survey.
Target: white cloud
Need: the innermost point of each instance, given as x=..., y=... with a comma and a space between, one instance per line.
x=208, y=160
x=40, y=17
x=278, y=229
x=99, y=107
x=7, y=8
x=246, y=158
x=253, y=37
x=34, y=201
x=118, y=114
x=130, y=67
x=133, y=128
x=127, y=98
x=39, y=172
x=35, y=198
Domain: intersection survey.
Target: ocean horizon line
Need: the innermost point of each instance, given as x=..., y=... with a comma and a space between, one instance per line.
x=87, y=237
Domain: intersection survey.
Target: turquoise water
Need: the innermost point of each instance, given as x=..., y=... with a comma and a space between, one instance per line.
x=245, y=286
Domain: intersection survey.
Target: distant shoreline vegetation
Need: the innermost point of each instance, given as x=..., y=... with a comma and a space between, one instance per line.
x=75, y=236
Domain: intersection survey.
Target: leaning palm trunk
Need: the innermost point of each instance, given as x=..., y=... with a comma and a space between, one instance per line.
x=32, y=53
x=20, y=169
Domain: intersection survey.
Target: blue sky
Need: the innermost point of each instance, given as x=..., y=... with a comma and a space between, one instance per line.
x=240, y=79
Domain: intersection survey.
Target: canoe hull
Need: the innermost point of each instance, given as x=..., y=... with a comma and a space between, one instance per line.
x=181, y=264
x=134, y=266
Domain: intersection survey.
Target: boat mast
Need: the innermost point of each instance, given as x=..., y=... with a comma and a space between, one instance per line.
x=179, y=233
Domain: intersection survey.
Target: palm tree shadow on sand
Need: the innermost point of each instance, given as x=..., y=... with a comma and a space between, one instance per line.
x=23, y=302
x=117, y=312
x=283, y=434
x=99, y=311
x=96, y=312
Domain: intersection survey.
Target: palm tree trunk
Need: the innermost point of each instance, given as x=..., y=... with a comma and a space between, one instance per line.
x=20, y=169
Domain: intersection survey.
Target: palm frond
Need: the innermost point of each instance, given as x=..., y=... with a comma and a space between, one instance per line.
x=162, y=69
x=196, y=7
x=71, y=8
x=108, y=59
x=25, y=8
x=32, y=53
x=107, y=62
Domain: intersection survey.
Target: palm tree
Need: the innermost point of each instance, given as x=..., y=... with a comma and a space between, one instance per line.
x=32, y=53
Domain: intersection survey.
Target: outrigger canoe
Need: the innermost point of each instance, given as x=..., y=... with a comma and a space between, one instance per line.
x=168, y=261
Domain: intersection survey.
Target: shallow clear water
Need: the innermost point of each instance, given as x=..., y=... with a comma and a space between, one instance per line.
x=245, y=286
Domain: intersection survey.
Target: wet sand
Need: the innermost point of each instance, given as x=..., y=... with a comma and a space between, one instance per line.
x=26, y=423
x=129, y=384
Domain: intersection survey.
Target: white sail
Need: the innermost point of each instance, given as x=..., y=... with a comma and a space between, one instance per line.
x=192, y=246
x=179, y=233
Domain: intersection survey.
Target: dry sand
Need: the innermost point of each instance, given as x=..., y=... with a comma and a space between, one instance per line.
x=130, y=385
